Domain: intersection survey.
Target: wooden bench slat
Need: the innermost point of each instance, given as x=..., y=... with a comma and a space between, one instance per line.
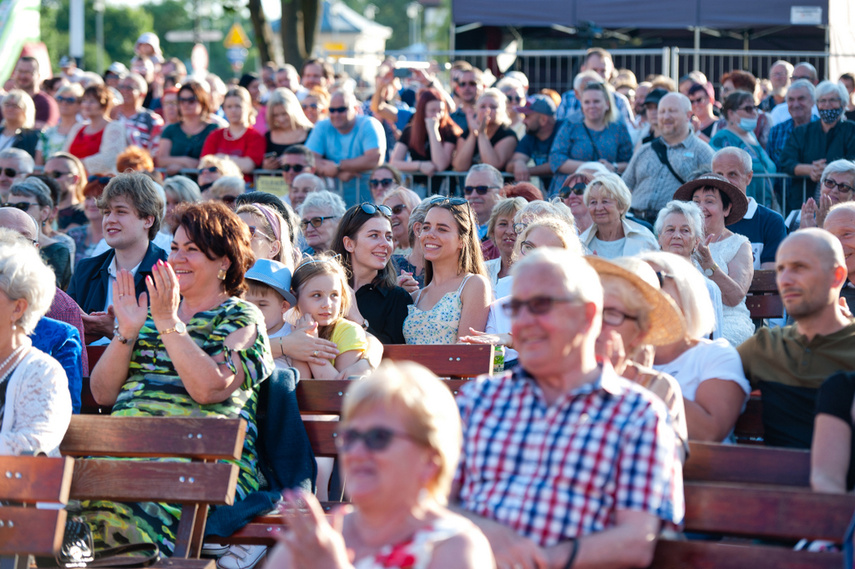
x=94, y=435
x=445, y=360
x=28, y=479
x=31, y=531
x=712, y=462
x=141, y=481
x=322, y=437
x=758, y=511
x=712, y=555
x=177, y=563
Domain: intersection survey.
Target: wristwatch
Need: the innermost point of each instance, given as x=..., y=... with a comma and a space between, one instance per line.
x=179, y=327
x=711, y=271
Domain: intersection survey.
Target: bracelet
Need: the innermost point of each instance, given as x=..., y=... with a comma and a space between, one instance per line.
x=573, y=552
x=122, y=340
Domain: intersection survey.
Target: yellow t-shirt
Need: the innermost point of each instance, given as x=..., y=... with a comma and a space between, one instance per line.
x=349, y=336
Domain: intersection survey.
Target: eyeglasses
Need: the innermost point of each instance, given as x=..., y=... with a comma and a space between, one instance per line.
x=385, y=182
x=527, y=247
x=375, y=439
x=841, y=187
x=482, y=190
x=334, y=110
x=56, y=174
x=127, y=88
x=614, y=317
x=577, y=189
x=188, y=100
x=23, y=206
x=310, y=106
x=397, y=209
x=371, y=209
x=253, y=231
x=103, y=180
x=315, y=221
x=452, y=201
x=296, y=167
x=519, y=227
x=210, y=169
x=698, y=101
x=661, y=276
x=536, y=305
x=748, y=109
x=9, y=172
x=69, y=100
x=228, y=200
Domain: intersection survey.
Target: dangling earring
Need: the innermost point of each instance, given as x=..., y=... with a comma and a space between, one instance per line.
x=221, y=274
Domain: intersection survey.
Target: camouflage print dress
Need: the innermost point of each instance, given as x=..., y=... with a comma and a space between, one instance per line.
x=153, y=388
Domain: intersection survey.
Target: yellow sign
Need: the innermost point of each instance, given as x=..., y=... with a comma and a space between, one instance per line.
x=236, y=37
x=272, y=185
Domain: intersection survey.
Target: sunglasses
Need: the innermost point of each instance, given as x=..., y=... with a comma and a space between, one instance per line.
x=69, y=100
x=577, y=189
x=9, y=172
x=375, y=439
x=253, y=231
x=103, y=180
x=698, y=101
x=748, y=109
x=334, y=110
x=385, y=182
x=482, y=190
x=371, y=209
x=452, y=201
x=536, y=305
x=514, y=99
x=55, y=174
x=310, y=106
x=210, y=169
x=296, y=167
x=23, y=206
x=188, y=100
x=397, y=209
x=467, y=84
x=315, y=221
x=841, y=187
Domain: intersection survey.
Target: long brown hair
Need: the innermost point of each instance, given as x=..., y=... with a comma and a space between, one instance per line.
x=418, y=134
x=470, y=259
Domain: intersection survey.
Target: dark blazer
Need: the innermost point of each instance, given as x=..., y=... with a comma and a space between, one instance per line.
x=89, y=284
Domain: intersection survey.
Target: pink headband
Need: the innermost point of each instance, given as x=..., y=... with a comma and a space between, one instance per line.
x=271, y=219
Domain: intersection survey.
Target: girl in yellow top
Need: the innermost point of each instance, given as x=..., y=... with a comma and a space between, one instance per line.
x=321, y=288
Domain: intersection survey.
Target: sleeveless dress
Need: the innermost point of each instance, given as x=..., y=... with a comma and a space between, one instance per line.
x=439, y=324
x=737, y=325
x=416, y=552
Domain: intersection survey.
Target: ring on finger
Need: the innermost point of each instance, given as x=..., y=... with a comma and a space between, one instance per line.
x=315, y=353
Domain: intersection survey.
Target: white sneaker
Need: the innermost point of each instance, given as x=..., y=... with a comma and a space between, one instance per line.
x=214, y=549
x=242, y=557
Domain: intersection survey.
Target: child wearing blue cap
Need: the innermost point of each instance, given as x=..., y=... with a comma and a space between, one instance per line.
x=270, y=290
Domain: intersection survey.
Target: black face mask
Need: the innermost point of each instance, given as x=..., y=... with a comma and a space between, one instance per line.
x=828, y=116
x=205, y=187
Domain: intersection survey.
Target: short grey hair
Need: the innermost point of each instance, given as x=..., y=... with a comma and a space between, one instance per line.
x=23, y=274
x=34, y=188
x=689, y=210
x=586, y=76
x=597, y=167
x=26, y=163
x=841, y=166
x=139, y=81
x=612, y=186
x=497, y=179
x=226, y=184
x=804, y=84
x=183, y=188
x=828, y=87
x=692, y=296
x=539, y=209
x=737, y=153
x=324, y=200
x=317, y=182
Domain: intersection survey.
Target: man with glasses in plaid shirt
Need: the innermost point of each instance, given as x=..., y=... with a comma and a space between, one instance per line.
x=564, y=462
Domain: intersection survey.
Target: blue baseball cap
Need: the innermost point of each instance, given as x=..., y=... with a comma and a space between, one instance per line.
x=538, y=104
x=275, y=275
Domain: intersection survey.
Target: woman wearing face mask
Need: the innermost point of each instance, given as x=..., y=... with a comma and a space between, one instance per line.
x=741, y=116
x=813, y=146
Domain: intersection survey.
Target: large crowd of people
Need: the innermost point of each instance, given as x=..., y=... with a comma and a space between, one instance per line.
x=603, y=239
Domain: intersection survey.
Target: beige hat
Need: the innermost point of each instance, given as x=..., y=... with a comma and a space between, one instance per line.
x=666, y=321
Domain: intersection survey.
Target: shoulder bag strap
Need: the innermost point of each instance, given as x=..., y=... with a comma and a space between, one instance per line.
x=662, y=153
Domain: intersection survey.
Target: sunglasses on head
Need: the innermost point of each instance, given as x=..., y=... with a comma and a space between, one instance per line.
x=385, y=182
x=9, y=172
x=577, y=189
x=210, y=169
x=375, y=439
x=296, y=167
x=334, y=110
x=482, y=190
x=315, y=221
x=452, y=201
x=69, y=100
x=103, y=180
x=371, y=209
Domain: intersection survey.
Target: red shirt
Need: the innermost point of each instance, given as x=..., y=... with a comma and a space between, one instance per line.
x=85, y=145
x=250, y=145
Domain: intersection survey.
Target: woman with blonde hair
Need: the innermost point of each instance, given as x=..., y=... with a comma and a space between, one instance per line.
x=489, y=139
x=19, y=116
x=238, y=141
x=213, y=167
x=457, y=293
x=316, y=104
x=402, y=202
x=500, y=229
x=53, y=138
x=399, y=442
x=287, y=125
x=611, y=235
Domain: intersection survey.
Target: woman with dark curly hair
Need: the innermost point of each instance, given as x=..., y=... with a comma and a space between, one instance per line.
x=198, y=350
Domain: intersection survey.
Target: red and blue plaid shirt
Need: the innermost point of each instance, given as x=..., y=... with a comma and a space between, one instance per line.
x=553, y=472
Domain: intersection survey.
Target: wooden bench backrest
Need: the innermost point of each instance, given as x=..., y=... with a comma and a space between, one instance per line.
x=673, y=554
x=27, y=480
x=747, y=464
x=763, y=300
x=749, y=428
x=454, y=361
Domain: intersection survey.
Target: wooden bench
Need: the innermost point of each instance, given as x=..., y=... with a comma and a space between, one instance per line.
x=24, y=529
x=763, y=300
x=749, y=428
x=455, y=361
x=195, y=485
x=747, y=464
